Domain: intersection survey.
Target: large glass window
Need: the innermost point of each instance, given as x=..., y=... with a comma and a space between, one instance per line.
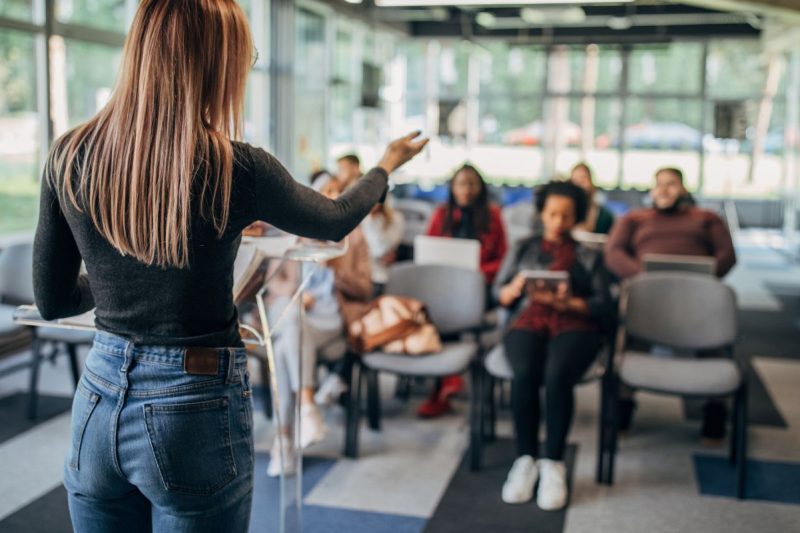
x=17, y=9
x=589, y=134
x=19, y=132
x=310, y=88
x=102, y=14
x=257, y=108
x=88, y=87
x=453, y=69
x=585, y=69
x=672, y=68
x=344, y=85
x=511, y=69
x=735, y=69
x=662, y=132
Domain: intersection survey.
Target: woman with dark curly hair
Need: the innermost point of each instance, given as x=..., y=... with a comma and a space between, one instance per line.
x=553, y=338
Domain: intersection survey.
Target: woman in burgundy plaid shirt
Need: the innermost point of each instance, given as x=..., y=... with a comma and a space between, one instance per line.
x=552, y=339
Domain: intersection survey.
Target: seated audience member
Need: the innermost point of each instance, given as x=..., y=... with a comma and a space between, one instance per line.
x=317, y=176
x=349, y=170
x=673, y=225
x=335, y=293
x=553, y=338
x=468, y=214
x=598, y=218
x=383, y=230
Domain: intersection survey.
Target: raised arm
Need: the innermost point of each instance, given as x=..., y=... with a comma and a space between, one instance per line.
x=283, y=202
x=58, y=288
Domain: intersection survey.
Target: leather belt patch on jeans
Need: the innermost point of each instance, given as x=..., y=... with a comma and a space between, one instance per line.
x=201, y=361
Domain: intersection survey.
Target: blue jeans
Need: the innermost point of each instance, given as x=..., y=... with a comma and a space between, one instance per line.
x=156, y=448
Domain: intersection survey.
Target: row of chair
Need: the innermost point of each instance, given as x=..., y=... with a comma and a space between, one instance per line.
x=16, y=288
x=682, y=311
x=686, y=312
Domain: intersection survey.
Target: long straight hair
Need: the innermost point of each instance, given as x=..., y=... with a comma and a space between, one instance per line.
x=480, y=209
x=178, y=102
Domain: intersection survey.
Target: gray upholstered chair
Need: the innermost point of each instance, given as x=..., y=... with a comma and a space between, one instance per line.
x=16, y=287
x=455, y=299
x=519, y=219
x=416, y=213
x=686, y=312
x=498, y=369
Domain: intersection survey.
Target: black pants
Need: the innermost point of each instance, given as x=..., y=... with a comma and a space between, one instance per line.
x=557, y=363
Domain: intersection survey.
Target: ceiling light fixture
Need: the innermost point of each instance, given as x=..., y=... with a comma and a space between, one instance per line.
x=485, y=19
x=538, y=16
x=620, y=23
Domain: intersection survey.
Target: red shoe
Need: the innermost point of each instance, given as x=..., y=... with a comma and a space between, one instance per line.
x=451, y=385
x=433, y=408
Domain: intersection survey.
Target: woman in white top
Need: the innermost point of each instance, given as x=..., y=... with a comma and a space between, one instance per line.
x=383, y=229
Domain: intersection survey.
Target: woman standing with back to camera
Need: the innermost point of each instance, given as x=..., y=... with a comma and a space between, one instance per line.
x=153, y=194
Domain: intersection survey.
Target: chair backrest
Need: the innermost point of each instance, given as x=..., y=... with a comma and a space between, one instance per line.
x=414, y=210
x=16, y=273
x=678, y=309
x=519, y=214
x=455, y=297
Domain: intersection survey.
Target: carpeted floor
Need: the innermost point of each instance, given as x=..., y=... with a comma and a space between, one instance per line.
x=14, y=412
x=411, y=476
x=472, y=500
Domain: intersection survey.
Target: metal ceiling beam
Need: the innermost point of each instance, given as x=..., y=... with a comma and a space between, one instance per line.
x=770, y=8
x=599, y=34
x=602, y=21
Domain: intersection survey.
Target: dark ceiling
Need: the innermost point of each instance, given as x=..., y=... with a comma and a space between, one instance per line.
x=634, y=22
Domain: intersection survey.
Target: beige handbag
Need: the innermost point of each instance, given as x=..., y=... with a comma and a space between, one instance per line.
x=396, y=325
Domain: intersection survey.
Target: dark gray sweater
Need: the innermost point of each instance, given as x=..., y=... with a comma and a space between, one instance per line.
x=191, y=306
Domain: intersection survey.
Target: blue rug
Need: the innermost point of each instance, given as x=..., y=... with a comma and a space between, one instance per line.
x=319, y=519
x=766, y=480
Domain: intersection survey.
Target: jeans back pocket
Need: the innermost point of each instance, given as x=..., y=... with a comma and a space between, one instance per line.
x=192, y=445
x=83, y=405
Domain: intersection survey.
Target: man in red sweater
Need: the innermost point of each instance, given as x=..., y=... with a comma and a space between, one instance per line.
x=672, y=226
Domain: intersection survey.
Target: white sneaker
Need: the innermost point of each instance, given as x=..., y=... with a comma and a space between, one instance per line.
x=289, y=459
x=552, y=493
x=330, y=390
x=312, y=426
x=521, y=479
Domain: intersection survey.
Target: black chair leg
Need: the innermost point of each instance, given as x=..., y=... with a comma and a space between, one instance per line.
x=602, y=432
x=733, y=453
x=72, y=353
x=476, y=418
x=741, y=446
x=403, y=388
x=353, y=413
x=373, y=400
x=491, y=382
x=612, y=429
x=36, y=360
